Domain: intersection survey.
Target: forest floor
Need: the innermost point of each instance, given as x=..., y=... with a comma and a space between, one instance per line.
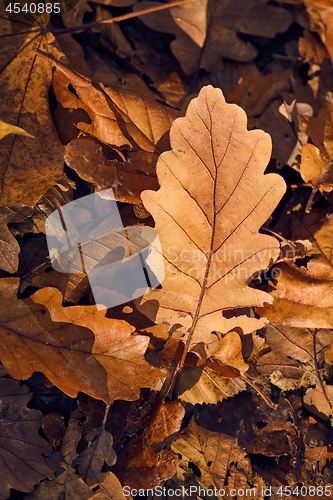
x=217, y=381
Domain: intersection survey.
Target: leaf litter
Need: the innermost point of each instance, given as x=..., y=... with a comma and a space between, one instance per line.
x=221, y=377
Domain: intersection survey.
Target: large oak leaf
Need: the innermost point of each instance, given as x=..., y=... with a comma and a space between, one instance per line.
x=212, y=201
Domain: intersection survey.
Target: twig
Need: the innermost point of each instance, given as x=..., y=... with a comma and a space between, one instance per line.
x=270, y=403
x=118, y=19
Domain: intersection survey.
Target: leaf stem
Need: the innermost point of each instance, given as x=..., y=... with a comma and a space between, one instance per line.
x=270, y=403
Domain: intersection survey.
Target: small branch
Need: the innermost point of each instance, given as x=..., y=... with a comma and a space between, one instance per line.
x=259, y=392
x=118, y=19
x=106, y=414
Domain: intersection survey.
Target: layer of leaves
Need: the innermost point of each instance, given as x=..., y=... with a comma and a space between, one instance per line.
x=22, y=450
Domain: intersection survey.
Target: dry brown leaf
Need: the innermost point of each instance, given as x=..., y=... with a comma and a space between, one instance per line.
x=222, y=463
x=212, y=249
x=118, y=118
x=316, y=163
x=22, y=450
x=321, y=20
x=111, y=367
x=316, y=402
x=300, y=299
x=254, y=91
x=99, y=451
x=310, y=47
x=202, y=385
x=316, y=170
x=9, y=247
x=106, y=169
x=116, y=348
x=38, y=161
x=206, y=30
x=282, y=131
x=303, y=295
x=147, y=460
x=123, y=119
x=292, y=355
x=228, y=359
x=31, y=342
x=69, y=485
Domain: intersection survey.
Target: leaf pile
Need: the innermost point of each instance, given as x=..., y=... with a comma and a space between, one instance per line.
x=211, y=121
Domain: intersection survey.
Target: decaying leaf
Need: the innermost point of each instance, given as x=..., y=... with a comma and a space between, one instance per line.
x=98, y=452
x=221, y=461
x=9, y=248
x=106, y=169
x=293, y=355
x=147, y=461
x=206, y=30
x=23, y=451
x=303, y=295
x=212, y=249
x=25, y=160
x=254, y=91
x=83, y=431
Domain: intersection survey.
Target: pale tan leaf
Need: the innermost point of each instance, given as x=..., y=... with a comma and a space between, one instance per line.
x=201, y=385
x=316, y=401
x=213, y=248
